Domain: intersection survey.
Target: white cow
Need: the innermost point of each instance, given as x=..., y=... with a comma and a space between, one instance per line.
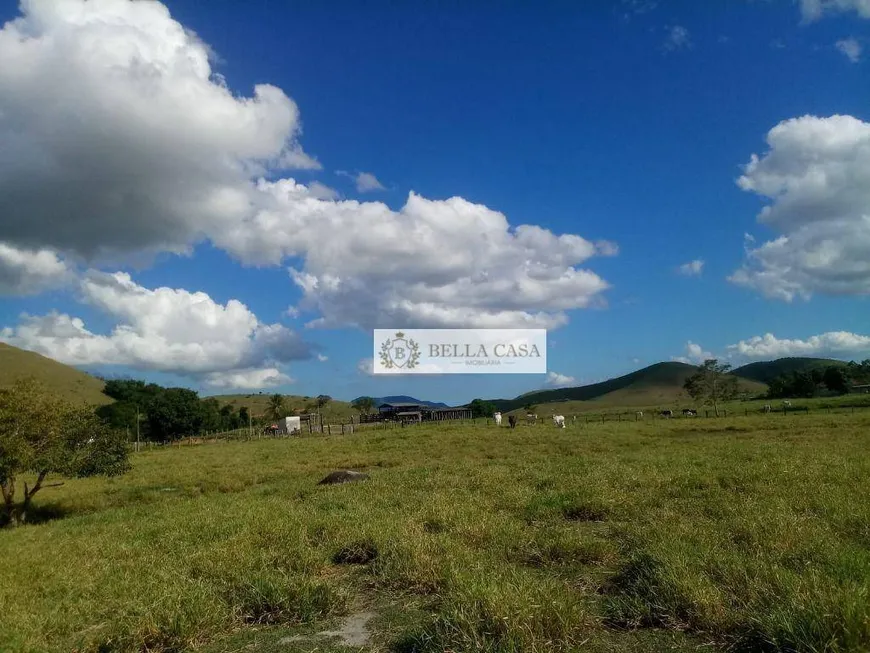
x=640, y=413
x=787, y=404
x=497, y=417
x=767, y=408
x=559, y=421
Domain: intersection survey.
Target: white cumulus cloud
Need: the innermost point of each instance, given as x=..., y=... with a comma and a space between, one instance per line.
x=365, y=182
x=366, y=366
x=322, y=191
x=556, y=380
x=695, y=354
x=812, y=10
x=114, y=106
x=247, y=379
x=832, y=343
x=29, y=271
x=692, y=268
x=677, y=38
x=816, y=176
x=851, y=48
x=166, y=329
x=433, y=263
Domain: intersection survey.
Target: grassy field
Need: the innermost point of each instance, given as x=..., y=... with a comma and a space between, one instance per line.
x=745, y=533
x=650, y=403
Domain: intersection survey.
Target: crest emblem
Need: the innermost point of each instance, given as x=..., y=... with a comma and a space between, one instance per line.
x=400, y=352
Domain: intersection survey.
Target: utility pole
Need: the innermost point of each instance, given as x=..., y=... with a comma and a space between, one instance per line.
x=137, y=428
x=250, y=426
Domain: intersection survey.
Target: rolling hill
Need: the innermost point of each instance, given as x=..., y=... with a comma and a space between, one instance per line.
x=406, y=399
x=258, y=403
x=661, y=383
x=68, y=382
x=766, y=371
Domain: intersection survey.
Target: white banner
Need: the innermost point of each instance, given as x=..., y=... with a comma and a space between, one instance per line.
x=460, y=351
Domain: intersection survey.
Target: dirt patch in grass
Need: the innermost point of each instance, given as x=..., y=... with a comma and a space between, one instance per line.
x=352, y=631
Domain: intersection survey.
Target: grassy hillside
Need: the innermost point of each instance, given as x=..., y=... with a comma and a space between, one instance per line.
x=258, y=402
x=766, y=371
x=658, y=384
x=68, y=382
x=738, y=534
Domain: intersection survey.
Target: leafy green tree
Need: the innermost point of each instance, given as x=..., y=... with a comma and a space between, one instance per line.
x=803, y=384
x=211, y=414
x=174, y=413
x=365, y=405
x=777, y=387
x=712, y=384
x=229, y=418
x=243, y=417
x=119, y=414
x=481, y=408
x=42, y=435
x=835, y=380
x=276, y=408
x=129, y=390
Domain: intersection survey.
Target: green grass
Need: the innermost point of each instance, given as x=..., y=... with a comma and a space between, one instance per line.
x=745, y=533
x=651, y=403
x=67, y=382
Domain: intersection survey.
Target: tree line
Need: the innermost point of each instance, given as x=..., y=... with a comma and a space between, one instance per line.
x=167, y=414
x=832, y=380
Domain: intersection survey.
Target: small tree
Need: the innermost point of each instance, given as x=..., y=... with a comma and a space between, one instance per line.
x=321, y=401
x=41, y=435
x=276, y=408
x=364, y=405
x=712, y=384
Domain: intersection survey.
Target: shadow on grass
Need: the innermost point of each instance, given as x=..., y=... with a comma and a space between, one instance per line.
x=40, y=513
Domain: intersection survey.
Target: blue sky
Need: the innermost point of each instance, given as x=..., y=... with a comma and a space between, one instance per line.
x=621, y=122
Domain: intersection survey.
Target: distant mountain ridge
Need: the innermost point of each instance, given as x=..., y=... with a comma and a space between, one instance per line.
x=663, y=382
x=669, y=376
x=406, y=399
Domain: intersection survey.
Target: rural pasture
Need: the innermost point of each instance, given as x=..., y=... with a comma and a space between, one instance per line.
x=743, y=533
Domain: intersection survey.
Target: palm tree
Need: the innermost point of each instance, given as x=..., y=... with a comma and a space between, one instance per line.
x=276, y=408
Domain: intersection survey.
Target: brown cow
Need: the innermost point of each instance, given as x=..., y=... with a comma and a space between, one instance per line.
x=512, y=421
